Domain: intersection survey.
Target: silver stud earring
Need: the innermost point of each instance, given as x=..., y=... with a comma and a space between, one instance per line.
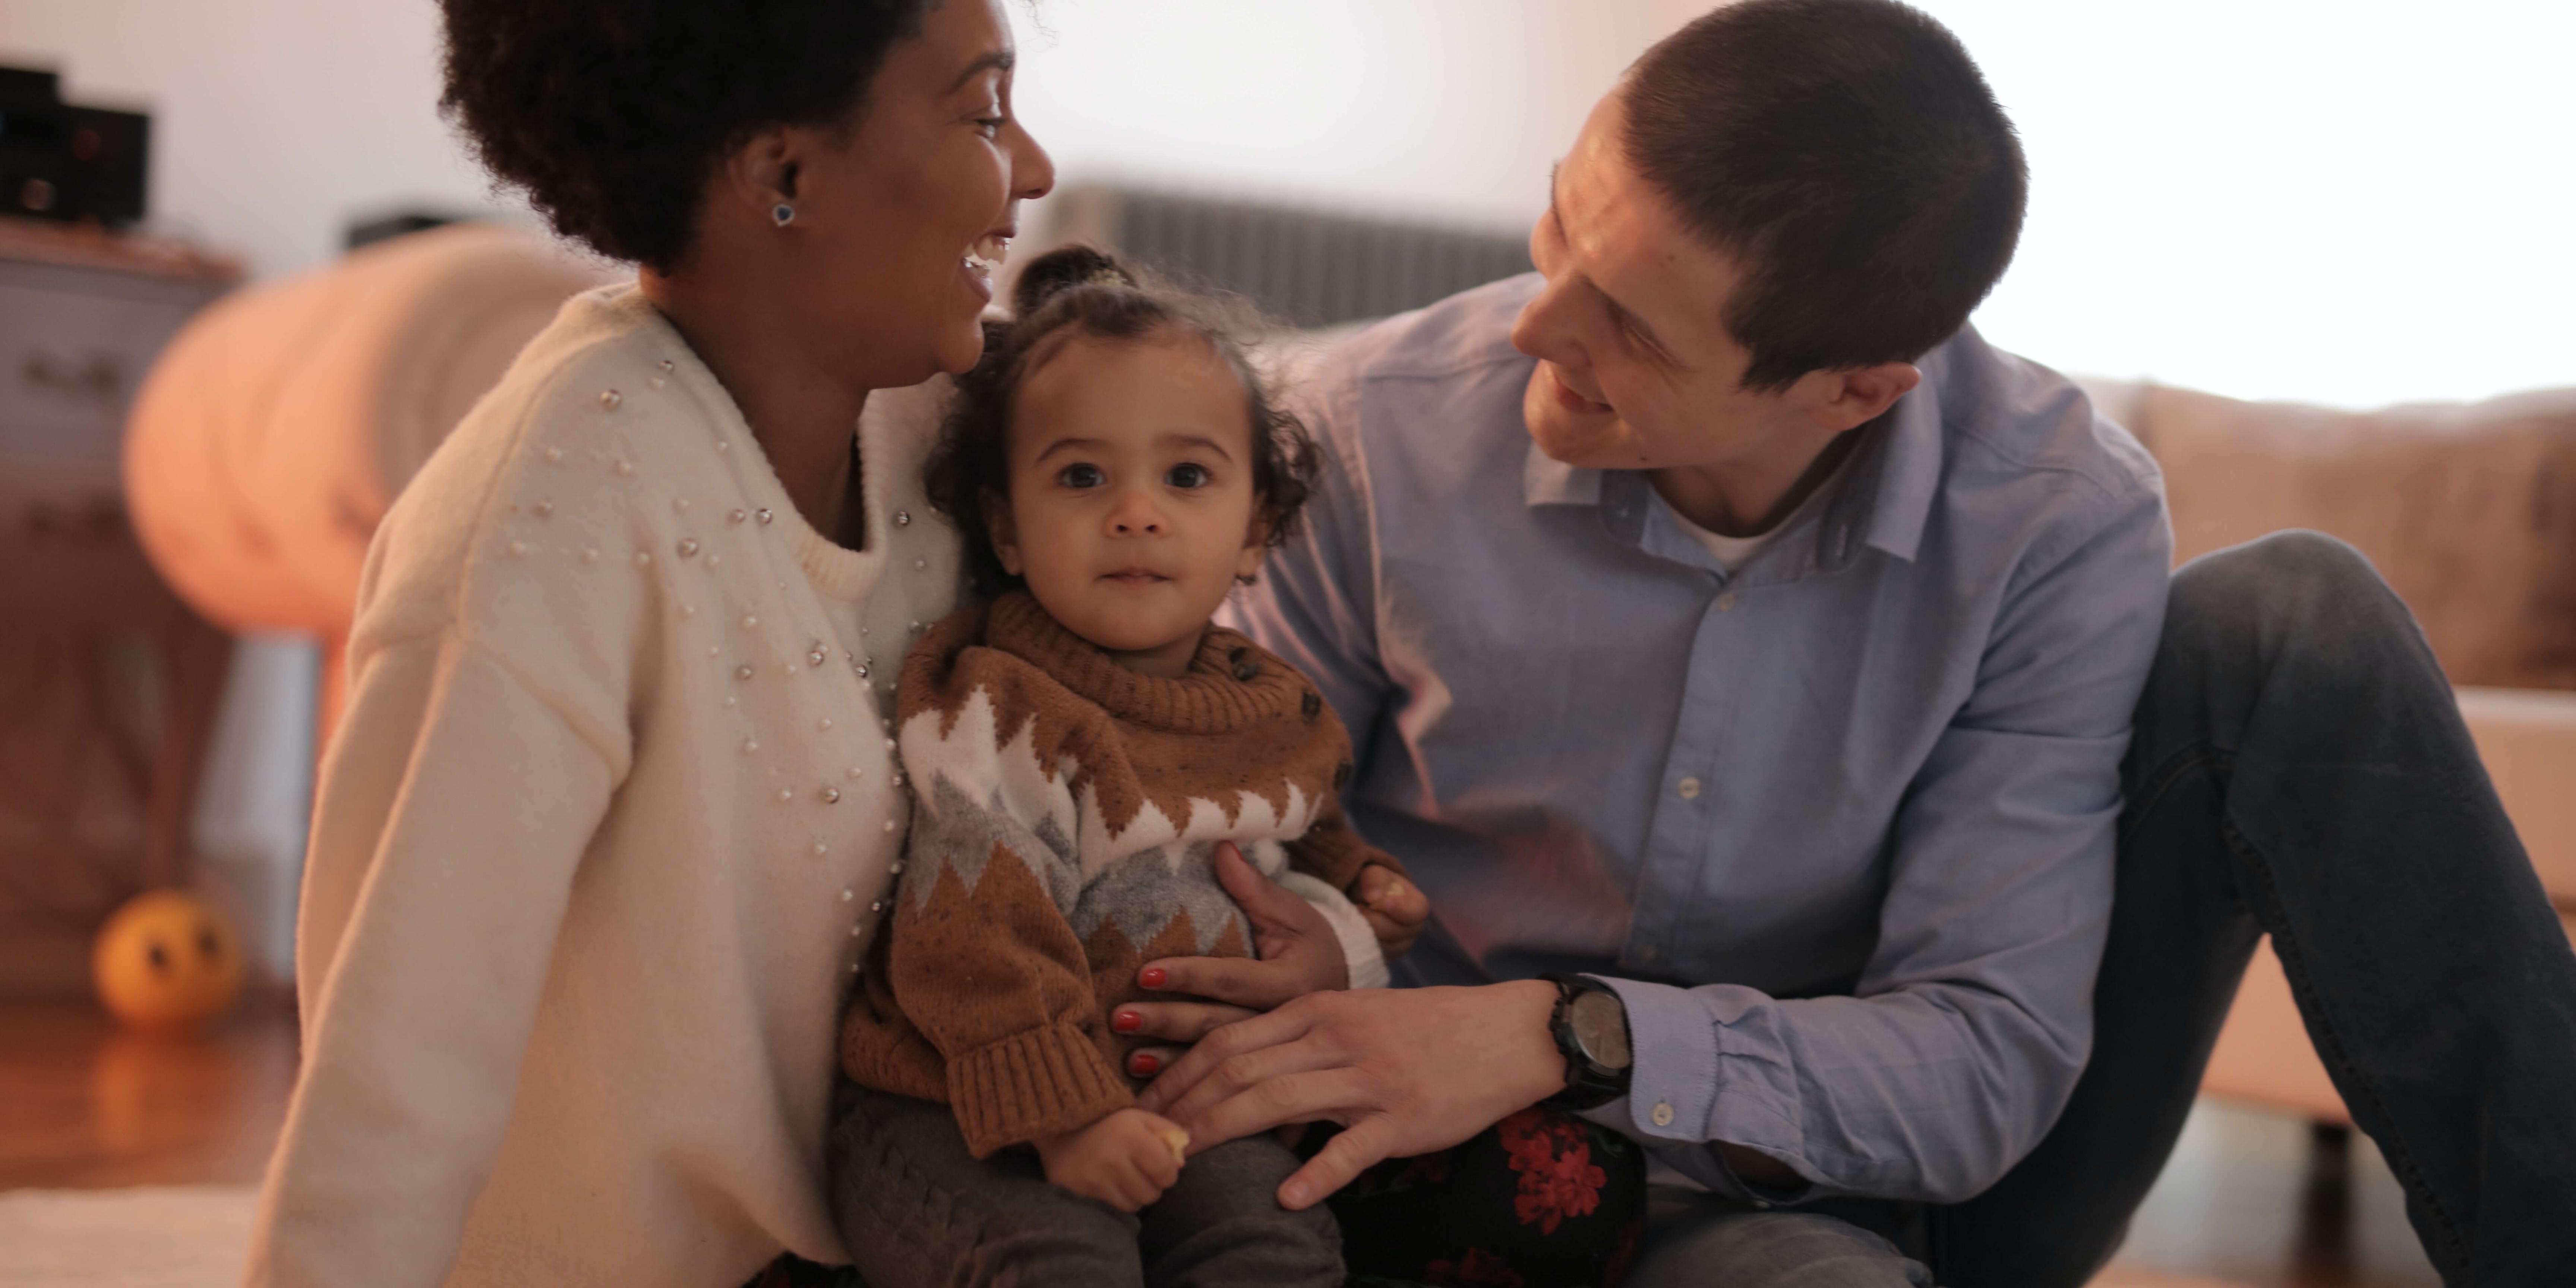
x=783, y=214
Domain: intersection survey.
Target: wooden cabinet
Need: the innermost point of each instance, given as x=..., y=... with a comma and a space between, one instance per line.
x=107, y=682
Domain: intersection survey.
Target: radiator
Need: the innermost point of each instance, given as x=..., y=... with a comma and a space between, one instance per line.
x=1301, y=267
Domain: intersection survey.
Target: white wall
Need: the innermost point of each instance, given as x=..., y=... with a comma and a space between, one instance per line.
x=275, y=122
x=2346, y=200
x=278, y=121
x=1447, y=107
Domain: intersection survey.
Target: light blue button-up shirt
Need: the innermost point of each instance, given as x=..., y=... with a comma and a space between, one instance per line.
x=1838, y=827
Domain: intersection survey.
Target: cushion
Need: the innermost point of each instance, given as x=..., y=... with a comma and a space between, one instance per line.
x=275, y=430
x=2469, y=510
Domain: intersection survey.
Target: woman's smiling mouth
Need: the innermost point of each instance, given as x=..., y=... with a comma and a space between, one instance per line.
x=984, y=259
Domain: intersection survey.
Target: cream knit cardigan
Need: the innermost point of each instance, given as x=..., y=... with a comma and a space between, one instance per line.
x=595, y=846
x=599, y=840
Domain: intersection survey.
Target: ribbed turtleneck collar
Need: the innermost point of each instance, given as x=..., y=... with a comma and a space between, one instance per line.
x=1211, y=698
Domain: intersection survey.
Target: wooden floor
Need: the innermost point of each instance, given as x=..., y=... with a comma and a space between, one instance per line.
x=84, y=1105
x=2249, y=1199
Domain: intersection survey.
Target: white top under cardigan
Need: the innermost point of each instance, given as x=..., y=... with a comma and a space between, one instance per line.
x=596, y=844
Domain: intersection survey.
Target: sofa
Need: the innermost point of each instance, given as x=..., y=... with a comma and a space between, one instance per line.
x=2469, y=511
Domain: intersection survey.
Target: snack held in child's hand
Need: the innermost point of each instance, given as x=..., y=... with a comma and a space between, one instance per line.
x=1078, y=749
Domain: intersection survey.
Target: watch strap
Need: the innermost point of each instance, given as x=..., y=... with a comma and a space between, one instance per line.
x=1588, y=1083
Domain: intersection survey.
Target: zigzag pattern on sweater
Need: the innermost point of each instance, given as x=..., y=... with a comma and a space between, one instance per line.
x=982, y=794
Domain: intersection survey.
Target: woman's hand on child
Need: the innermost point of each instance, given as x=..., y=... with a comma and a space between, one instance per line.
x=1300, y=954
x=1125, y=1160
x=1396, y=909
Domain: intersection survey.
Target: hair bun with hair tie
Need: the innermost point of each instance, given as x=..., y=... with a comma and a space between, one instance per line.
x=1062, y=269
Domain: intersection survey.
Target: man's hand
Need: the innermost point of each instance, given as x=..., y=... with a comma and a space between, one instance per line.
x=1299, y=955
x=1125, y=1160
x=1405, y=1071
x=1396, y=909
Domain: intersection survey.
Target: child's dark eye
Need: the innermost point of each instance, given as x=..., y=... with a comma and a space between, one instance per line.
x=1188, y=476
x=1081, y=476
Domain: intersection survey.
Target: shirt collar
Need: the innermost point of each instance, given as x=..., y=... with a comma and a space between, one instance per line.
x=1888, y=498
x=1884, y=503
x=1546, y=480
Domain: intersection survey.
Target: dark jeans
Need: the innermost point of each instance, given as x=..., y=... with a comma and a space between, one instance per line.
x=2300, y=770
x=1696, y=1240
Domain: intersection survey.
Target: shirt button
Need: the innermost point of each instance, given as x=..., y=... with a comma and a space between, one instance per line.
x=1689, y=789
x=1663, y=1115
x=1649, y=953
x=1726, y=602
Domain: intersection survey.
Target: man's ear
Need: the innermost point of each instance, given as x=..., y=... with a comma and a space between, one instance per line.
x=1855, y=396
x=1003, y=533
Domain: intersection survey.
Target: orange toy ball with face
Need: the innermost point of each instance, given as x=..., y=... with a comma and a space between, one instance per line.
x=166, y=961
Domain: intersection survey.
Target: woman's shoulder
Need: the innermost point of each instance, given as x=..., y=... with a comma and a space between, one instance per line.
x=567, y=479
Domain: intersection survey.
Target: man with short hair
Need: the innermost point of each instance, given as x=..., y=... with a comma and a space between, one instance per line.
x=1732, y=635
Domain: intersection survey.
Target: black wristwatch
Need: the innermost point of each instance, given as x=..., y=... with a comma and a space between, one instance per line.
x=1590, y=1026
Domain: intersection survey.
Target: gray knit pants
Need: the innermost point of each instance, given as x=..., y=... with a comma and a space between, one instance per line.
x=918, y=1212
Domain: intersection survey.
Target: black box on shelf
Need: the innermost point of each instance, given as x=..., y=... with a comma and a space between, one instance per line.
x=66, y=162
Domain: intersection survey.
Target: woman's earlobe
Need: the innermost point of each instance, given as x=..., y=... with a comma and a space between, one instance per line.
x=765, y=174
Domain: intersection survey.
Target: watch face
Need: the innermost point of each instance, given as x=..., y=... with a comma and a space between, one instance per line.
x=1600, y=1024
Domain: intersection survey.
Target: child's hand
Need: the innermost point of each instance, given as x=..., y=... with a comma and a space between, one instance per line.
x=1125, y=1160
x=1393, y=907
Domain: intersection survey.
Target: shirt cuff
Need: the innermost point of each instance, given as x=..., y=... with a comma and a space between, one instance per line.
x=1684, y=1092
x=1360, y=953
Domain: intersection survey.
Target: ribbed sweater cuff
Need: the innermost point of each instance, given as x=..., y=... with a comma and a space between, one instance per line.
x=1032, y=1084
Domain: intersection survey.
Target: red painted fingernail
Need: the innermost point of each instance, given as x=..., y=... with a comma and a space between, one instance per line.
x=1147, y=1066
x=1152, y=977
x=1126, y=1021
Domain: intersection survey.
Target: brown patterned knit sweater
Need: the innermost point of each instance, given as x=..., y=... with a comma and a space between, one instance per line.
x=1067, y=813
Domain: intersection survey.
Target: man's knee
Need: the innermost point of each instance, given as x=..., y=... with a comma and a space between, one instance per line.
x=2302, y=587
x=2285, y=575
x=1740, y=1249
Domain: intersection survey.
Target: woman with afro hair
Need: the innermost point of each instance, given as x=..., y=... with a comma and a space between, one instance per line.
x=601, y=840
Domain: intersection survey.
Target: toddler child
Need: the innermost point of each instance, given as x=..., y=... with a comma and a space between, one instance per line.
x=1077, y=750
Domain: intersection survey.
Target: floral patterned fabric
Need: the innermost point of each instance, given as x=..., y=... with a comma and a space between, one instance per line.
x=1540, y=1200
